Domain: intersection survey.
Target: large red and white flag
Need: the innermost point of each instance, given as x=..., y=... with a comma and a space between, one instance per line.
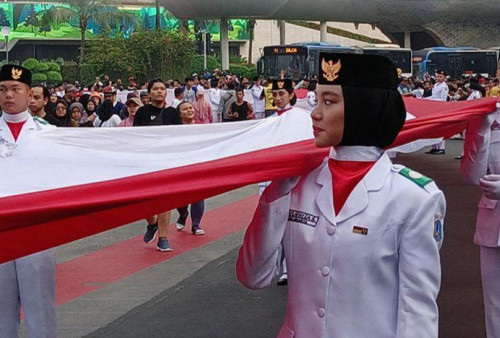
x=67, y=184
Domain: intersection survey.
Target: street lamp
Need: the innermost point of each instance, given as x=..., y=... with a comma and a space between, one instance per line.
x=5, y=33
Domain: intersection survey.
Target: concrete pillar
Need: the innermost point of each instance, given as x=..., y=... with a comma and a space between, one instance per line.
x=323, y=33
x=407, y=40
x=224, y=43
x=282, y=32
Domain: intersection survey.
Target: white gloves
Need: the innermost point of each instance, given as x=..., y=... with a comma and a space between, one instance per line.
x=490, y=185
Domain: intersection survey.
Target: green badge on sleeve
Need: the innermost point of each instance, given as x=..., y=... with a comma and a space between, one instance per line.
x=416, y=177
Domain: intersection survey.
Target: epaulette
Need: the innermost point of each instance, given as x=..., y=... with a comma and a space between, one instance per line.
x=40, y=120
x=416, y=177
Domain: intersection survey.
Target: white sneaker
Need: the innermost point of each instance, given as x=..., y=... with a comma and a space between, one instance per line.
x=179, y=226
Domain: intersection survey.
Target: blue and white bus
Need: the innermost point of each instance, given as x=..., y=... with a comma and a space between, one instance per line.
x=300, y=60
x=456, y=62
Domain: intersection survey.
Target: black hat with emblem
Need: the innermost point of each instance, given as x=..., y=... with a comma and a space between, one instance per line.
x=15, y=73
x=282, y=84
x=441, y=72
x=374, y=111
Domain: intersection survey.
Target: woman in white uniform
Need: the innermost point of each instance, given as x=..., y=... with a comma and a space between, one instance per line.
x=481, y=166
x=361, y=235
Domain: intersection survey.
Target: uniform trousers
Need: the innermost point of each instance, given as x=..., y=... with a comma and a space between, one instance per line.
x=440, y=145
x=490, y=276
x=28, y=282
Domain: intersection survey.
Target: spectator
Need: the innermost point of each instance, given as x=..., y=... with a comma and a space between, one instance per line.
x=107, y=116
x=189, y=90
x=203, y=111
x=214, y=98
x=144, y=96
x=69, y=94
x=132, y=84
x=418, y=92
x=156, y=113
x=78, y=116
x=427, y=89
x=270, y=106
x=226, y=99
x=187, y=114
x=240, y=110
x=133, y=104
x=476, y=91
x=38, y=101
x=61, y=117
x=118, y=107
x=259, y=100
x=179, y=97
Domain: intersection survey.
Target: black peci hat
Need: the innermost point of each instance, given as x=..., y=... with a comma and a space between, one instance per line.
x=15, y=73
x=282, y=84
x=440, y=72
x=357, y=70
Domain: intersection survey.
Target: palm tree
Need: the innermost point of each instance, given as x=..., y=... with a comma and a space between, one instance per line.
x=103, y=12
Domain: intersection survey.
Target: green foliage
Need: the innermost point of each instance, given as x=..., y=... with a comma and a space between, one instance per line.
x=69, y=71
x=237, y=59
x=41, y=67
x=38, y=77
x=53, y=66
x=197, y=64
x=54, y=77
x=243, y=71
x=30, y=63
x=145, y=55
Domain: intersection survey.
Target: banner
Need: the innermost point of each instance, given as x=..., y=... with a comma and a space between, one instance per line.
x=70, y=183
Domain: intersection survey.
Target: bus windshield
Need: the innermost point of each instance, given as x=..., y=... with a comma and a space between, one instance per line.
x=401, y=58
x=293, y=65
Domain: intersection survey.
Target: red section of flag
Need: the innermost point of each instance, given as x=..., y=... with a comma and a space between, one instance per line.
x=59, y=216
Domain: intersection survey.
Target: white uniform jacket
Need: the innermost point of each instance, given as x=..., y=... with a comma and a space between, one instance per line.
x=373, y=270
x=439, y=92
x=28, y=280
x=481, y=157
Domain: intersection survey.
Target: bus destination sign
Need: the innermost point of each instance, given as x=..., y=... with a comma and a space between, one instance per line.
x=285, y=50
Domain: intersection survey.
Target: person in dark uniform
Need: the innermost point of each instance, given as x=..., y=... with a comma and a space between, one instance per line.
x=154, y=114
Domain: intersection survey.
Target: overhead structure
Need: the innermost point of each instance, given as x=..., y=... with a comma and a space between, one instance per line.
x=448, y=22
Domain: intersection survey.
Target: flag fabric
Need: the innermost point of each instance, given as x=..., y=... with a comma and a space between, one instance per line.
x=66, y=184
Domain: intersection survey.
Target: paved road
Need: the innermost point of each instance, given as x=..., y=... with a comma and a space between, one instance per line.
x=195, y=294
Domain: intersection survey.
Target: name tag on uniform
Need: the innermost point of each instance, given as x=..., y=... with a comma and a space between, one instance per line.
x=360, y=230
x=302, y=217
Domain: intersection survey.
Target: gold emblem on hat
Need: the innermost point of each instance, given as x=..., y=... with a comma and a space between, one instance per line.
x=16, y=73
x=281, y=84
x=330, y=69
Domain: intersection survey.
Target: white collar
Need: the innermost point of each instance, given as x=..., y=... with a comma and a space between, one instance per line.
x=16, y=118
x=356, y=153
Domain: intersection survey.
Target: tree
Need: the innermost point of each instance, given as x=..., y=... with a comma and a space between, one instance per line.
x=44, y=25
x=103, y=12
x=4, y=19
x=31, y=19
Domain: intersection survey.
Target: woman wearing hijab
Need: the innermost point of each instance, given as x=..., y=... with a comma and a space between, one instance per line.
x=203, y=111
x=361, y=235
x=60, y=117
x=107, y=118
x=79, y=117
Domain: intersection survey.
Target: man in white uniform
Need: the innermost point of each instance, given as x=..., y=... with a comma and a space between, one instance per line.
x=361, y=235
x=259, y=100
x=439, y=93
x=481, y=166
x=28, y=281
